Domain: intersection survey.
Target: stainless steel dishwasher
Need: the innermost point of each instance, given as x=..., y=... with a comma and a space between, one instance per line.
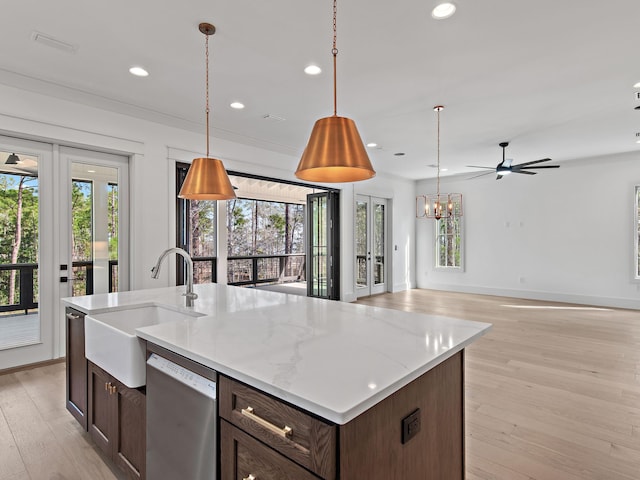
x=181, y=418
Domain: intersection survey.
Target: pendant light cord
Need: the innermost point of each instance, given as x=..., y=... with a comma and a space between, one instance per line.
x=206, y=55
x=438, y=189
x=334, y=52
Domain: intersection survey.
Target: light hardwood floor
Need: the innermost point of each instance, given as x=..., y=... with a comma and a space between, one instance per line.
x=552, y=393
x=39, y=439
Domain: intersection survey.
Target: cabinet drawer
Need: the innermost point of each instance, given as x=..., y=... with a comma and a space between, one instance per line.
x=242, y=456
x=310, y=441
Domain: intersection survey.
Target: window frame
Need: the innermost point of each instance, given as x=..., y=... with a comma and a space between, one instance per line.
x=447, y=235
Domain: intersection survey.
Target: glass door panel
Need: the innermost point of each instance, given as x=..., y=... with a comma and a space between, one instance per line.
x=379, y=224
x=317, y=281
x=362, y=244
x=370, y=245
x=94, y=229
x=19, y=252
x=26, y=321
x=323, y=264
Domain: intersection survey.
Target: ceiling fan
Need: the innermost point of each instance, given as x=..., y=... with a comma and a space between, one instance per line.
x=505, y=167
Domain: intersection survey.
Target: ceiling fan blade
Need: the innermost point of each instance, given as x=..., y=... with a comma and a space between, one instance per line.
x=526, y=172
x=533, y=161
x=499, y=177
x=481, y=175
x=476, y=166
x=541, y=166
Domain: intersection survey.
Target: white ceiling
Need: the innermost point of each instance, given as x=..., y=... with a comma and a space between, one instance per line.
x=555, y=78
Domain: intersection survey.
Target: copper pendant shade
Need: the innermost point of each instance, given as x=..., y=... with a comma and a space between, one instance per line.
x=207, y=178
x=335, y=152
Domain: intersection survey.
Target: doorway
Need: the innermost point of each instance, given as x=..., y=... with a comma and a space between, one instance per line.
x=370, y=245
x=55, y=204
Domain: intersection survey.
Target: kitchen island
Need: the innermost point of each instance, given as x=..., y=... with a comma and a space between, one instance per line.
x=362, y=371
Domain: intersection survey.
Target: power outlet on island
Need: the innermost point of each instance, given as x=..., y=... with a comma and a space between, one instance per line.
x=410, y=426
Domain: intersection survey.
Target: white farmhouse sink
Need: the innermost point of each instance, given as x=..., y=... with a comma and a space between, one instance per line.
x=111, y=342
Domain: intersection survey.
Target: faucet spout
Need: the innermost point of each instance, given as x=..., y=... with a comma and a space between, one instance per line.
x=155, y=271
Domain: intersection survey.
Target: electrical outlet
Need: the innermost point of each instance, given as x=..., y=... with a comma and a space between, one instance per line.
x=410, y=426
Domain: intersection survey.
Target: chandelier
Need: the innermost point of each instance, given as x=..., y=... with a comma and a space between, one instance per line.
x=439, y=205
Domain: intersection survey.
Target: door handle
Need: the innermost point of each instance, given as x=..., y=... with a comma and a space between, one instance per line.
x=67, y=279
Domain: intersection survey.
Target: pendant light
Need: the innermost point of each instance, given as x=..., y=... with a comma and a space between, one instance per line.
x=207, y=178
x=335, y=152
x=12, y=159
x=439, y=205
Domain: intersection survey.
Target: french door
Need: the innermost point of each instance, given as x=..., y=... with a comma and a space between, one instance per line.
x=63, y=213
x=323, y=245
x=370, y=245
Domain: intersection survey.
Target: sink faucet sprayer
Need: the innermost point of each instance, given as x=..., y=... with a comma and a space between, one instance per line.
x=155, y=271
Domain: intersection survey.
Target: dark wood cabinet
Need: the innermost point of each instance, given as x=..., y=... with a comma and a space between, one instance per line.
x=117, y=421
x=297, y=435
x=76, y=366
x=370, y=446
x=242, y=456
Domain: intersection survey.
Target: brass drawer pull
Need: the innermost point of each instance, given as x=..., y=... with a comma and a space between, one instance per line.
x=250, y=477
x=283, y=432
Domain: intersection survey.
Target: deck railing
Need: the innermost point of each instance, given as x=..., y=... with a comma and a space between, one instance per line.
x=26, y=283
x=25, y=287
x=256, y=269
x=241, y=270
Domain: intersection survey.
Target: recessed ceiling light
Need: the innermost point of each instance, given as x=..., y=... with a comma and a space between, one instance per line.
x=237, y=105
x=312, y=70
x=91, y=171
x=443, y=10
x=372, y=145
x=444, y=169
x=138, y=72
x=637, y=85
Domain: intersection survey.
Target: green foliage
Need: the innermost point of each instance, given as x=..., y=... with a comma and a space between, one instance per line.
x=112, y=199
x=29, y=222
x=257, y=227
x=82, y=220
x=9, y=221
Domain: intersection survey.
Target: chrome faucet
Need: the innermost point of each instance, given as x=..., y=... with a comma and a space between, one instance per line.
x=155, y=271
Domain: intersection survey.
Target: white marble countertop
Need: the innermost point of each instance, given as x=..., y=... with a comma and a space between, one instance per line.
x=333, y=359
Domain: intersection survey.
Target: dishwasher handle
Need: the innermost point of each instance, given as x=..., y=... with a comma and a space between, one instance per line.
x=183, y=375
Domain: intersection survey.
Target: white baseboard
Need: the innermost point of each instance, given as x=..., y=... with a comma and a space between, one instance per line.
x=536, y=295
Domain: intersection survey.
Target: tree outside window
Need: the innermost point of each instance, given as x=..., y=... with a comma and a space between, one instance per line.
x=449, y=242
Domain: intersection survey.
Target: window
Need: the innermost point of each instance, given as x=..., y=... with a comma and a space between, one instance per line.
x=265, y=241
x=449, y=242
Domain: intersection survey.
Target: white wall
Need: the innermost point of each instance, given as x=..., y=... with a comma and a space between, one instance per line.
x=154, y=148
x=564, y=235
